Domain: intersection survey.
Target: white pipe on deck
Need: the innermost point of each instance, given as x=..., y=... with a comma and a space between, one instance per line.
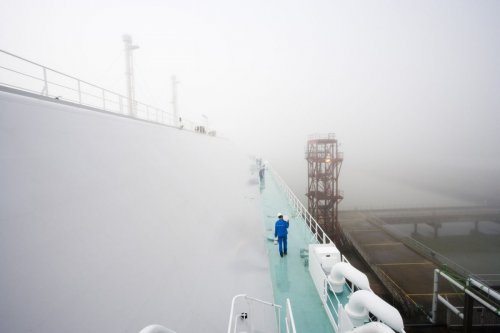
x=373, y=327
x=342, y=270
x=362, y=302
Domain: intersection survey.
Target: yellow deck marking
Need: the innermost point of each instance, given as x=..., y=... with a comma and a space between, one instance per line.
x=406, y=263
x=383, y=244
x=433, y=294
x=360, y=230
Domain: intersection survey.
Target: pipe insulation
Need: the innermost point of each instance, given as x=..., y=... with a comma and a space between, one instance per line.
x=363, y=302
x=342, y=271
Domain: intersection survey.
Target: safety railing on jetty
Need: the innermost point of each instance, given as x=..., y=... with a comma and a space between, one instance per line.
x=25, y=75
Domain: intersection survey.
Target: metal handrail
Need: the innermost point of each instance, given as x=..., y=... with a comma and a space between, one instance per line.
x=289, y=321
x=98, y=97
x=320, y=235
x=231, y=329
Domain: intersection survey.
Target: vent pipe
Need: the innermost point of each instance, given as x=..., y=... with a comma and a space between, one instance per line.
x=363, y=302
x=342, y=271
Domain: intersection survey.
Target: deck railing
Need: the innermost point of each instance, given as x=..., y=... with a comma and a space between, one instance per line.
x=25, y=75
x=289, y=321
x=247, y=318
x=320, y=235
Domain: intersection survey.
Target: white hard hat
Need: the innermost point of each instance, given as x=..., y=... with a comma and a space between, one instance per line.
x=279, y=214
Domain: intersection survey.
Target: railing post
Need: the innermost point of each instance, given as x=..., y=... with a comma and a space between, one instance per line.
x=104, y=99
x=79, y=92
x=45, y=90
x=435, y=296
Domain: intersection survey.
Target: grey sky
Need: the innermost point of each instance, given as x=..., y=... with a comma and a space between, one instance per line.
x=406, y=85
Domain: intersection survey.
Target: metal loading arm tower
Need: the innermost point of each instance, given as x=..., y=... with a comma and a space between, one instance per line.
x=324, y=163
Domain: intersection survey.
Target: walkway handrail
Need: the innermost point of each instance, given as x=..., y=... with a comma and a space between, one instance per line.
x=313, y=225
x=72, y=89
x=289, y=321
x=231, y=329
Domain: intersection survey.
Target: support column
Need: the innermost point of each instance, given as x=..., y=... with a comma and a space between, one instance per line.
x=468, y=313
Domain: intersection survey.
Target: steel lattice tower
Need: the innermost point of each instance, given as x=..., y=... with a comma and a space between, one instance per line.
x=324, y=164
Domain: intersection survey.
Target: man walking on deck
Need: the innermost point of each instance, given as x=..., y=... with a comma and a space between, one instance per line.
x=281, y=231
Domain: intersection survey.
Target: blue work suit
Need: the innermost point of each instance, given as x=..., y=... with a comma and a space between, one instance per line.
x=281, y=231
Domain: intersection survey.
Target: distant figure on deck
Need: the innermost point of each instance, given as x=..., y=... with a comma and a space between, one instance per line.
x=281, y=231
x=261, y=173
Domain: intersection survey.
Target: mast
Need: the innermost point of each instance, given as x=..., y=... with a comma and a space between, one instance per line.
x=129, y=74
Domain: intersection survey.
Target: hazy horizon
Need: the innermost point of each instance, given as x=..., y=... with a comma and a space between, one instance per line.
x=410, y=88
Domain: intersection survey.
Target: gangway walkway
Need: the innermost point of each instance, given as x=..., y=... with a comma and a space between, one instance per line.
x=290, y=274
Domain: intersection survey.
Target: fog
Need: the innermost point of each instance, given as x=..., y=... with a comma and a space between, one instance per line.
x=410, y=88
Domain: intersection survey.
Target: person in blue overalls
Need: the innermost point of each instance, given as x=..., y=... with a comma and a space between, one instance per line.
x=281, y=231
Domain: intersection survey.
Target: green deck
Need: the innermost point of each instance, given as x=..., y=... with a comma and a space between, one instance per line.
x=290, y=274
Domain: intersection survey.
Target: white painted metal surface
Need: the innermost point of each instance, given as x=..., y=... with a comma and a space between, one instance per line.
x=317, y=252
x=289, y=320
x=363, y=302
x=106, y=225
x=342, y=270
x=252, y=315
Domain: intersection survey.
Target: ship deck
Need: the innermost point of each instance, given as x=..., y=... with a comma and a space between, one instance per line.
x=290, y=274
